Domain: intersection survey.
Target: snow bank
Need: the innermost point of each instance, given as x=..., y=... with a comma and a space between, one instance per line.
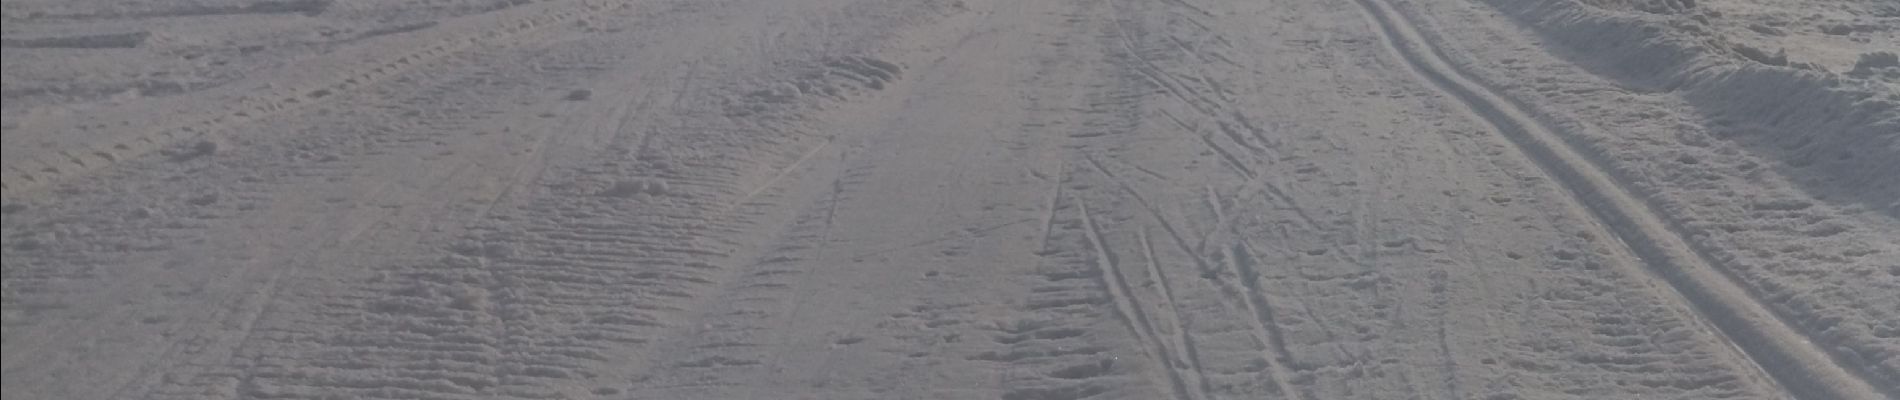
x=1837, y=135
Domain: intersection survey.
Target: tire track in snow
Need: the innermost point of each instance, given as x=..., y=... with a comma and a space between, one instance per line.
x=594, y=261
x=391, y=125
x=1776, y=347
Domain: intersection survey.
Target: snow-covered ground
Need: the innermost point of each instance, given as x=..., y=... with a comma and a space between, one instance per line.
x=984, y=199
